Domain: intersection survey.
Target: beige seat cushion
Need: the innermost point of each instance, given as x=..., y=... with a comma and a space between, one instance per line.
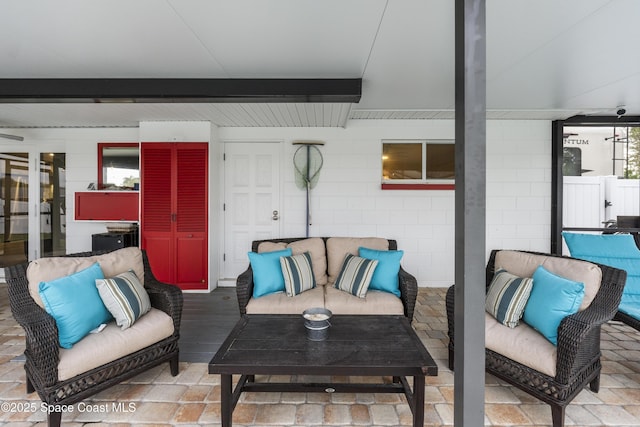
x=375, y=302
x=280, y=303
x=522, y=344
x=339, y=247
x=313, y=245
x=113, y=263
x=113, y=343
x=524, y=265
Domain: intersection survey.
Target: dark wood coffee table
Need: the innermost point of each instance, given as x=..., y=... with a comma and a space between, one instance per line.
x=356, y=346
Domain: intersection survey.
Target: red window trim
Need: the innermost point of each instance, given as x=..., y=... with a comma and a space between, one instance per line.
x=418, y=186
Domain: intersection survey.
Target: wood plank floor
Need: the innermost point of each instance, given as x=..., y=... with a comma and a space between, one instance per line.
x=207, y=319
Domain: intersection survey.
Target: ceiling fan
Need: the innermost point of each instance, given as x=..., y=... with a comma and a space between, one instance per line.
x=14, y=137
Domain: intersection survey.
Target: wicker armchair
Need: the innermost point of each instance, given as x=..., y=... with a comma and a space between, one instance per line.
x=42, y=351
x=578, y=351
x=407, y=282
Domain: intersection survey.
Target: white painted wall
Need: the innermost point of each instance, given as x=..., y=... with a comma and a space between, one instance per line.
x=519, y=185
x=348, y=200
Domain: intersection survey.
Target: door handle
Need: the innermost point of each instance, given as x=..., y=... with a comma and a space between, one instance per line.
x=275, y=216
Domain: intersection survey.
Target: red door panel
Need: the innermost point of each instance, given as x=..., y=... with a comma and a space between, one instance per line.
x=156, y=188
x=191, y=265
x=192, y=194
x=159, y=249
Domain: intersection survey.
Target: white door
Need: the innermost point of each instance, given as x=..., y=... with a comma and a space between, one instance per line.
x=251, y=200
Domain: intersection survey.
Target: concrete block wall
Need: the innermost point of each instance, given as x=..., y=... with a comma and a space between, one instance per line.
x=519, y=185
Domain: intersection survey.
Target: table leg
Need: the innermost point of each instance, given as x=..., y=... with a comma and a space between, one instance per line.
x=226, y=398
x=418, y=401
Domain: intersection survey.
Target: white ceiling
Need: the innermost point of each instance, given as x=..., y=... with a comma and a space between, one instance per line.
x=546, y=59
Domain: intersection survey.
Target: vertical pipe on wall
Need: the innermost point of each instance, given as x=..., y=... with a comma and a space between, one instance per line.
x=470, y=203
x=557, y=136
x=308, y=181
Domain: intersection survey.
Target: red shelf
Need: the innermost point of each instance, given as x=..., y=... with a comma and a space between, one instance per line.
x=106, y=206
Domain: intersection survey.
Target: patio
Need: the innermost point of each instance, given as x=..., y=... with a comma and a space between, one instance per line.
x=192, y=398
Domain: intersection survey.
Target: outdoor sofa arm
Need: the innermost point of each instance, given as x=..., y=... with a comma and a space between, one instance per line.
x=163, y=296
x=408, y=292
x=244, y=289
x=41, y=332
x=579, y=334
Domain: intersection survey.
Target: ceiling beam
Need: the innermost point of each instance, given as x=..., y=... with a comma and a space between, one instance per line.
x=584, y=120
x=179, y=90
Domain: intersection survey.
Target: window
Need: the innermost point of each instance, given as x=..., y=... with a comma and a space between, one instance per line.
x=408, y=164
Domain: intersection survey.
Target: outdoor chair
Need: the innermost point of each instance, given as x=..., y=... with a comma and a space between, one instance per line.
x=616, y=250
x=65, y=376
x=522, y=356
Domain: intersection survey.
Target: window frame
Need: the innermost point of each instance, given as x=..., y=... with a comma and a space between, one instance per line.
x=416, y=184
x=557, y=177
x=101, y=147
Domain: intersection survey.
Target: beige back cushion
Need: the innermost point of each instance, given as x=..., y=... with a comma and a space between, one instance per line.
x=524, y=265
x=339, y=247
x=271, y=246
x=113, y=263
x=313, y=245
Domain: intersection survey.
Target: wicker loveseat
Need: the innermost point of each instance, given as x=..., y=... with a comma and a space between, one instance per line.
x=327, y=254
x=64, y=376
x=525, y=358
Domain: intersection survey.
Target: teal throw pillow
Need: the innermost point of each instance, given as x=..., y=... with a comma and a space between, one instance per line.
x=298, y=273
x=507, y=297
x=355, y=275
x=552, y=299
x=75, y=304
x=267, y=272
x=385, y=276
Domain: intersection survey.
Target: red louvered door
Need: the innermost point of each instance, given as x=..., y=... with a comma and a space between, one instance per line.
x=174, y=212
x=191, y=209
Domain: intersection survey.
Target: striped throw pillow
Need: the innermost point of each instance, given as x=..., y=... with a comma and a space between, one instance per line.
x=355, y=275
x=125, y=298
x=507, y=297
x=298, y=273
